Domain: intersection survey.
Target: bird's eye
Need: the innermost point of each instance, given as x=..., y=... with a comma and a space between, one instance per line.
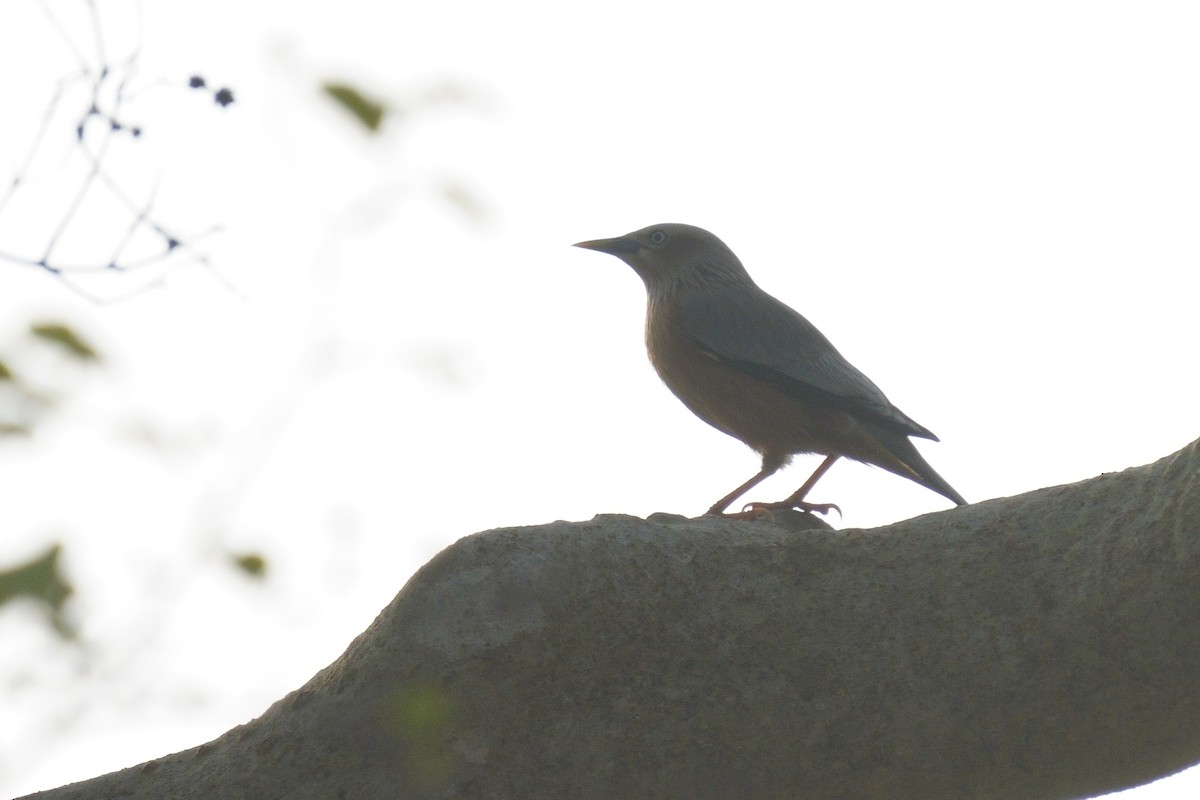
x=658, y=237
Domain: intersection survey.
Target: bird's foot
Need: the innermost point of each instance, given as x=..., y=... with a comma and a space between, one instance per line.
x=760, y=510
x=757, y=511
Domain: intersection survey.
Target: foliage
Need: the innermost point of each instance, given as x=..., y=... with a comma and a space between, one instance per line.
x=42, y=581
x=368, y=111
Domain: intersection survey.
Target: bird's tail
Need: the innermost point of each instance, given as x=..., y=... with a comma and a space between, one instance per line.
x=919, y=470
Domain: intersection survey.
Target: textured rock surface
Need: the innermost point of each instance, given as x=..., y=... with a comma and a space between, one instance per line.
x=1041, y=646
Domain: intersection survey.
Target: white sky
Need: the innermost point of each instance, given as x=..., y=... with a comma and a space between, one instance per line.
x=990, y=210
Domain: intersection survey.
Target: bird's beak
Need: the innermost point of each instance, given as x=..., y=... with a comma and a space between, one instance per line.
x=622, y=245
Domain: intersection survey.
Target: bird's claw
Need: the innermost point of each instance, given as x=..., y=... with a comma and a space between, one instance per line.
x=759, y=510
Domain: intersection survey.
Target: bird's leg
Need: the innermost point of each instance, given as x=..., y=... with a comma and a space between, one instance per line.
x=796, y=500
x=770, y=467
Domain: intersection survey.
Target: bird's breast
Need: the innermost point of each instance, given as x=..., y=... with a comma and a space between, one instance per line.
x=727, y=398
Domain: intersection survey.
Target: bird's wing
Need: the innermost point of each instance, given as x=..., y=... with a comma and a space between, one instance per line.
x=751, y=331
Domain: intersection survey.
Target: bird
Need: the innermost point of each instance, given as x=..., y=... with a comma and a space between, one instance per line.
x=755, y=369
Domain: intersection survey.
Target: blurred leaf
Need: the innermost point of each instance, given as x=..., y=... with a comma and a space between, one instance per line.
x=421, y=716
x=14, y=429
x=253, y=564
x=464, y=201
x=41, y=580
x=366, y=110
x=65, y=337
x=449, y=93
x=5, y=372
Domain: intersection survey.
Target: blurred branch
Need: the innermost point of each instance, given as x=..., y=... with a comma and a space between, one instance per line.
x=100, y=120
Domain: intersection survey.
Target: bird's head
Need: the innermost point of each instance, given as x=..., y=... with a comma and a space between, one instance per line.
x=671, y=256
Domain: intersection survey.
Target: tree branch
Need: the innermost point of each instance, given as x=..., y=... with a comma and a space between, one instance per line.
x=1040, y=646
x=97, y=93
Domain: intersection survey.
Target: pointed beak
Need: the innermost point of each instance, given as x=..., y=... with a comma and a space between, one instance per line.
x=620, y=246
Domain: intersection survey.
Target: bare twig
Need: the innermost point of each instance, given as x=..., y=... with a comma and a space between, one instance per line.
x=97, y=126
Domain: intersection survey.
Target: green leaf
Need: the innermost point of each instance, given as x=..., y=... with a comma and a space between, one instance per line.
x=5, y=372
x=366, y=110
x=41, y=580
x=253, y=564
x=65, y=337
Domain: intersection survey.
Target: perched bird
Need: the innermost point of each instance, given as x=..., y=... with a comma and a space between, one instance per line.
x=753, y=368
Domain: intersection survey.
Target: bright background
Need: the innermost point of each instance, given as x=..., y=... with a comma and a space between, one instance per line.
x=990, y=208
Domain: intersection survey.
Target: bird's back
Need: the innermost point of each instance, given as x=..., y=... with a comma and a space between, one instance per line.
x=752, y=332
